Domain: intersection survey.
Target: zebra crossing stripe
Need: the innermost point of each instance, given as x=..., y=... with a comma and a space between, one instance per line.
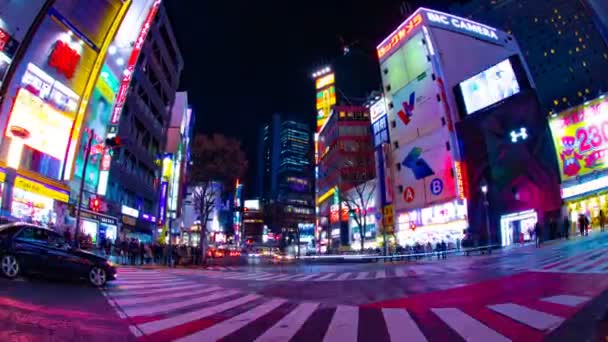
x=159, y=292
x=530, y=317
x=401, y=326
x=468, y=327
x=381, y=274
x=577, y=260
x=154, y=286
x=310, y=276
x=344, y=276
x=144, y=282
x=144, y=300
x=288, y=277
x=325, y=277
x=567, y=300
x=400, y=272
x=344, y=325
x=592, y=266
x=173, y=321
x=361, y=275
x=160, y=308
x=287, y=327
x=233, y=324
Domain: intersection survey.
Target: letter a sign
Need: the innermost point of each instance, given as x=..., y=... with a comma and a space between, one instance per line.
x=409, y=194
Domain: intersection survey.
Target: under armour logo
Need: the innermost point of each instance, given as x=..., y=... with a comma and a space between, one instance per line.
x=522, y=134
x=408, y=109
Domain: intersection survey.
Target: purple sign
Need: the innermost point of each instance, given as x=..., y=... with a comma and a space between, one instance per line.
x=148, y=217
x=162, y=205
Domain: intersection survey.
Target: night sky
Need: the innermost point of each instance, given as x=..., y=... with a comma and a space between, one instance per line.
x=245, y=60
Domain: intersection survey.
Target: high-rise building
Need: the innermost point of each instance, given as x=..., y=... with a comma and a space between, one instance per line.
x=561, y=41
x=285, y=173
x=135, y=173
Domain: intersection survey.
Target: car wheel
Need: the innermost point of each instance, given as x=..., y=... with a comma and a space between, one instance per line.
x=97, y=276
x=10, y=266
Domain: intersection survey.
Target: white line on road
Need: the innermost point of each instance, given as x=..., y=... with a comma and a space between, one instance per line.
x=145, y=282
x=310, y=276
x=344, y=276
x=361, y=275
x=235, y=323
x=400, y=272
x=152, y=299
x=467, y=327
x=163, y=324
x=325, y=277
x=344, y=326
x=381, y=274
x=159, y=292
x=401, y=326
x=287, y=327
x=175, y=305
x=153, y=286
x=530, y=317
x=567, y=300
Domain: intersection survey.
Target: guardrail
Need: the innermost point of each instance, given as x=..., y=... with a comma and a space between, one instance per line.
x=395, y=257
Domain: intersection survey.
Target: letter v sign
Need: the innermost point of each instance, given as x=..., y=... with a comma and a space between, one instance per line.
x=408, y=109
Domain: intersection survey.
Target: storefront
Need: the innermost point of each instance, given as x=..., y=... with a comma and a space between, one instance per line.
x=133, y=228
x=580, y=136
x=36, y=202
x=442, y=222
x=517, y=227
x=98, y=226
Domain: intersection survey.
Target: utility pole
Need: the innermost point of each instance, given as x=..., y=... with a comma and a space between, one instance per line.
x=87, y=154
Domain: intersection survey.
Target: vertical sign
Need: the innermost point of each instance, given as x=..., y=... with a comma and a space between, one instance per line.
x=162, y=204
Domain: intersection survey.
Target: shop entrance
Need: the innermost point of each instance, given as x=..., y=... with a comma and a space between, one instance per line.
x=516, y=227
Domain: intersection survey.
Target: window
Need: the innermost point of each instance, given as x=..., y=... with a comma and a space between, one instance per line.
x=396, y=144
x=398, y=166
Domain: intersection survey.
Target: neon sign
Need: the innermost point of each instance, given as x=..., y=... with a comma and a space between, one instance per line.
x=324, y=81
x=461, y=24
x=64, y=58
x=400, y=34
x=458, y=167
x=517, y=135
x=589, y=186
x=128, y=72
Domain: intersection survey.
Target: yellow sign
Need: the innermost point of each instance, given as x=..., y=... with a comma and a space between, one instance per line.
x=580, y=136
x=2, y=177
x=326, y=98
x=41, y=189
x=325, y=81
x=129, y=220
x=326, y=195
x=389, y=215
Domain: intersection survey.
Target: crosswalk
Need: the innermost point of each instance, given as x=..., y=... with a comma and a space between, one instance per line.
x=593, y=261
x=180, y=309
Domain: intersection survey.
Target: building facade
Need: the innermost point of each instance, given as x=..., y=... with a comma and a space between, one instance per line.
x=564, y=44
x=135, y=173
x=285, y=171
x=448, y=81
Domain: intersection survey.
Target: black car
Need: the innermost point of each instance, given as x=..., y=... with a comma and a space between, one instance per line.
x=27, y=248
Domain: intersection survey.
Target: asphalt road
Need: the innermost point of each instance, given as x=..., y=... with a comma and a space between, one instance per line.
x=557, y=292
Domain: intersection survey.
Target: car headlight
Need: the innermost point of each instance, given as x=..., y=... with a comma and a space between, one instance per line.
x=109, y=263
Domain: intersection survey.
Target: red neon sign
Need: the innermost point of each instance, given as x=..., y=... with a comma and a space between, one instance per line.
x=4, y=39
x=460, y=179
x=121, y=96
x=399, y=35
x=64, y=58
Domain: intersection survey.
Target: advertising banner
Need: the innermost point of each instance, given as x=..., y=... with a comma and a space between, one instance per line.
x=580, y=136
x=425, y=172
x=405, y=65
x=416, y=110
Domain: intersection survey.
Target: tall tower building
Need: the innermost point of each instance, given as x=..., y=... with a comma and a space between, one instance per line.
x=561, y=41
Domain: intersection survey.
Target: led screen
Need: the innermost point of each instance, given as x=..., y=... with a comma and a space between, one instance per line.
x=489, y=86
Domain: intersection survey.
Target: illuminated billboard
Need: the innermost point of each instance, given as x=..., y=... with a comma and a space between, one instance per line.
x=580, y=136
x=325, y=81
x=405, y=65
x=489, y=86
x=326, y=98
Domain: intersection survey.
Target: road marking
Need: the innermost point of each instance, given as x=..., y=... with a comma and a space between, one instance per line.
x=288, y=277
x=152, y=299
x=400, y=272
x=592, y=266
x=145, y=282
x=343, y=276
x=530, y=317
x=567, y=300
x=344, y=325
x=272, y=277
x=287, y=327
x=135, y=331
x=381, y=274
x=401, y=326
x=235, y=323
x=171, y=289
x=467, y=327
x=160, y=308
x=325, y=277
x=307, y=277
x=163, y=324
x=154, y=286
x=361, y=275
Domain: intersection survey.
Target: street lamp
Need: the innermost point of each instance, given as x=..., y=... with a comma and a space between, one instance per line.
x=484, y=191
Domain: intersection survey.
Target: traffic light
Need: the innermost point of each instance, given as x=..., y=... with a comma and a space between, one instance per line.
x=113, y=142
x=95, y=204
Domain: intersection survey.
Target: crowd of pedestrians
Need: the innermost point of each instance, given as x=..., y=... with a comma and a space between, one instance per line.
x=134, y=252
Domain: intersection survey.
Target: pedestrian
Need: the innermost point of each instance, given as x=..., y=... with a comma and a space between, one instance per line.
x=566, y=227
x=124, y=251
x=587, y=225
x=581, y=224
x=602, y=220
x=537, y=234
x=133, y=249
x=108, y=247
x=553, y=228
x=142, y=252
x=444, y=248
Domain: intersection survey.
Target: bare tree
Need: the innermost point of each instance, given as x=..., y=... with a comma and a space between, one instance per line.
x=357, y=201
x=217, y=162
